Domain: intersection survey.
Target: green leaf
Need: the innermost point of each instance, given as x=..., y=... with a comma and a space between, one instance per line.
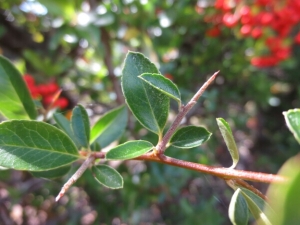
x=238, y=209
x=64, y=124
x=284, y=197
x=81, y=125
x=15, y=99
x=162, y=84
x=34, y=146
x=292, y=119
x=190, y=137
x=52, y=174
x=229, y=140
x=149, y=105
x=109, y=127
x=129, y=150
x=108, y=176
x=256, y=206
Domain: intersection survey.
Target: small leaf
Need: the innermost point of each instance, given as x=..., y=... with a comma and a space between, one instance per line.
x=149, y=105
x=81, y=125
x=238, y=209
x=229, y=140
x=292, y=119
x=64, y=124
x=34, y=146
x=129, y=150
x=162, y=84
x=109, y=127
x=256, y=206
x=190, y=137
x=15, y=99
x=108, y=176
x=284, y=197
x=52, y=174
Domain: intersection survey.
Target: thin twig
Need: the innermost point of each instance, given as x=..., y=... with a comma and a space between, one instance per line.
x=244, y=184
x=161, y=146
x=75, y=176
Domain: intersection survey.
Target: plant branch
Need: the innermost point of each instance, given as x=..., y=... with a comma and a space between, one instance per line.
x=161, y=146
x=221, y=172
x=75, y=176
x=106, y=39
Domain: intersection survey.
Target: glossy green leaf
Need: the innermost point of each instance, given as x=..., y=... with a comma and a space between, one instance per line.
x=81, y=125
x=108, y=176
x=229, y=140
x=34, y=146
x=64, y=124
x=238, y=209
x=129, y=150
x=162, y=84
x=15, y=99
x=256, y=206
x=284, y=197
x=149, y=105
x=109, y=127
x=190, y=137
x=292, y=119
x=52, y=174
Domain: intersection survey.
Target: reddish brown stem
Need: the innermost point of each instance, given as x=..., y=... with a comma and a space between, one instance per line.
x=221, y=172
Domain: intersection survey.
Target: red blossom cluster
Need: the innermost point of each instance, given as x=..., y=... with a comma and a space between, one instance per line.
x=47, y=93
x=271, y=20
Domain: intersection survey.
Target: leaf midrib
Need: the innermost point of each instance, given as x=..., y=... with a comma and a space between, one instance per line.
x=39, y=149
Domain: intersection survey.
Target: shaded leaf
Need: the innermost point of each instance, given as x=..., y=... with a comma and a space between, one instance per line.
x=15, y=99
x=52, y=174
x=129, y=150
x=110, y=126
x=292, y=119
x=81, y=125
x=256, y=206
x=149, y=105
x=229, y=140
x=190, y=137
x=108, y=176
x=284, y=197
x=34, y=146
x=95, y=147
x=162, y=84
x=64, y=124
x=238, y=209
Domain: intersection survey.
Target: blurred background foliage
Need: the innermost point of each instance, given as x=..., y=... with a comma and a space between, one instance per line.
x=81, y=44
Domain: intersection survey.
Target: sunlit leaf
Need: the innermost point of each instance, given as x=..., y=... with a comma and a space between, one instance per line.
x=284, y=197
x=292, y=119
x=162, y=84
x=15, y=99
x=149, y=105
x=129, y=150
x=108, y=176
x=34, y=146
x=81, y=125
x=229, y=140
x=238, y=209
x=256, y=206
x=109, y=127
x=190, y=137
